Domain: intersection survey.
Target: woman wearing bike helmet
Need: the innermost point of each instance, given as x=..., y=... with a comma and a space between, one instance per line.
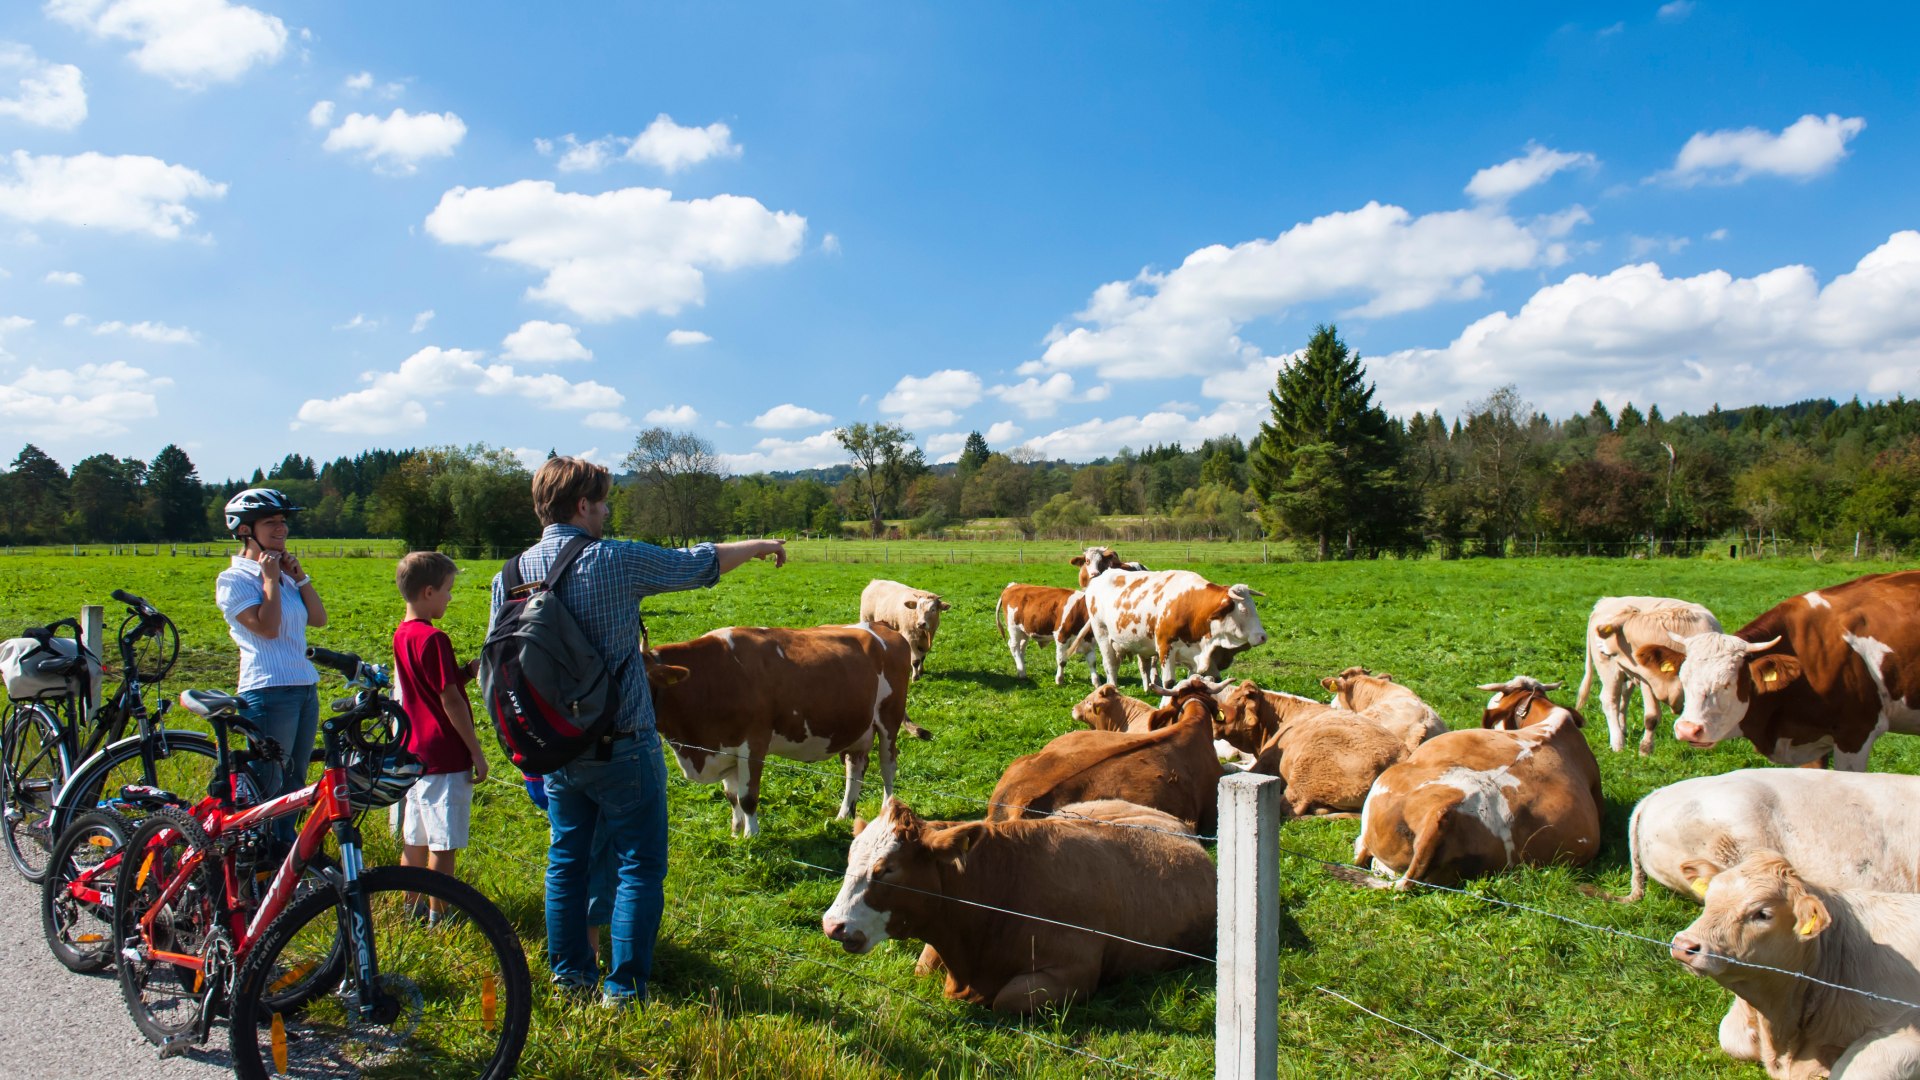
x=269, y=602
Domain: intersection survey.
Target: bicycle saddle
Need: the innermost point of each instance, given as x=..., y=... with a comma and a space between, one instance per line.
x=209, y=702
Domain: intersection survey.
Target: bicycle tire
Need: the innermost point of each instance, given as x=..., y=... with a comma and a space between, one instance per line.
x=30, y=779
x=470, y=960
x=189, y=764
x=80, y=932
x=164, y=1000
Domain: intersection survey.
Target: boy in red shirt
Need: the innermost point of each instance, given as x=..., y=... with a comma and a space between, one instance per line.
x=433, y=690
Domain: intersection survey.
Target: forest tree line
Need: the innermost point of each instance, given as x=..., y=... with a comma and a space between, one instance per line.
x=1329, y=470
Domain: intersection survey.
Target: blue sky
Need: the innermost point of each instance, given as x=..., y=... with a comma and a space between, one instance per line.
x=1073, y=227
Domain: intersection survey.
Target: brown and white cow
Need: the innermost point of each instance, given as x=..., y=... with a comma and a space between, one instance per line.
x=1329, y=757
x=1616, y=628
x=1038, y=612
x=1175, y=616
x=913, y=612
x=1171, y=768
x=804, y=694
x=1840, y=830
x=1387, y=703
x=1519, y=701
x=1478, y=801
x=1098, y=560
x=1107, y=709
x=1765, y=927
x=957, y=885
x=1827, y=672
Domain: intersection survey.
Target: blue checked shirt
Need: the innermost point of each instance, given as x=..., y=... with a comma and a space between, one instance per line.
x=264, y=662
x=603, y=592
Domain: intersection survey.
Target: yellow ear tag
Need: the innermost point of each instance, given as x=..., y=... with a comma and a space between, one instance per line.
x=1667, y=666
x=1700, y=887
x=1771, y=676
x=1807, y=928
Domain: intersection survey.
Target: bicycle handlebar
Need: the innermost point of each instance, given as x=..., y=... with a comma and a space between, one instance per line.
x=347, y=664
x=134, y=602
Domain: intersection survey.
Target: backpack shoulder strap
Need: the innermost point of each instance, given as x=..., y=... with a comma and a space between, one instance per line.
x=565, y=560
x=510, y=574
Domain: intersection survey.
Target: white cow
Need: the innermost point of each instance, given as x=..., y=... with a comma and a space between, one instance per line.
x=1619, y=625
x=913, y=612
x=1175, y=616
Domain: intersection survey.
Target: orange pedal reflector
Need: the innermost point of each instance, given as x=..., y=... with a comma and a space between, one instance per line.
x=489, y=999
x=199, y=980
x=279, y=1045
x=89, y=939
x=100, y=841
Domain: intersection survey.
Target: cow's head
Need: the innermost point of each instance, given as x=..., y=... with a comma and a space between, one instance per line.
x=923, y=613
x=1095, y=561
x=1355, y=679
x=891, y=850
x=1102, y=710
x=1246, y=718
x=1518, y=702
x=661, y=674
x=1233, y=625
x=1720, y=675
x=1194, y=700
x=1758, y=912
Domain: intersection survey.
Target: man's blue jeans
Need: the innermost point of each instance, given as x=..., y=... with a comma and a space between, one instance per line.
x=625, y=797
x=289, y=715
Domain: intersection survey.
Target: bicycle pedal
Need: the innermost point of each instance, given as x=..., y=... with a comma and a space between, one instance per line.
x=174, y=1046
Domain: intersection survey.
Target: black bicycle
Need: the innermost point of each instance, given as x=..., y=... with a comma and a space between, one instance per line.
x=57, y=764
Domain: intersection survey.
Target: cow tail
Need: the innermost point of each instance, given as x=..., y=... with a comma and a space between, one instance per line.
x=908, y=727
x=1586, y=676
x=1638, y=887
x=999, y=606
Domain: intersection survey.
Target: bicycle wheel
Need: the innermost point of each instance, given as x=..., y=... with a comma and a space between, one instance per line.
x=30, y=776
x=163, y=997
x=184, y=763
x=453, y=1000
x=76, y=899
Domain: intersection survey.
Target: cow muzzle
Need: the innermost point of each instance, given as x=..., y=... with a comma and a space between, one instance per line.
x=850, y=939
x=1689, y=951
x=1693, y=735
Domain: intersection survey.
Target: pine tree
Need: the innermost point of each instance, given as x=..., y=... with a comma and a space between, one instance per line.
x=173, y=486
x=1328, y=463
x=975, y=454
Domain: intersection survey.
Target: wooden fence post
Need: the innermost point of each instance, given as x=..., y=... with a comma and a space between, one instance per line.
x=93, y=631
x=1246, y=1036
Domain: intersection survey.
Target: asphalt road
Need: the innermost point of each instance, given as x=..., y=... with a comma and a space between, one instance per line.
x=55, y=1024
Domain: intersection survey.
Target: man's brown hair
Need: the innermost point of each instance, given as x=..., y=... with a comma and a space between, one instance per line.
x=421, y=571
x=562, y=482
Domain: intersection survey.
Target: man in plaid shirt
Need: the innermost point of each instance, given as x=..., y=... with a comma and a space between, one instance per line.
x=626, y=792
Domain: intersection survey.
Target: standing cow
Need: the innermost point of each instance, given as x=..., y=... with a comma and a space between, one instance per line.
x=1175, y=616
x=913, y=612
x=1098, y=560
x=1825, y=673
x=1616, y=628
x=803, y=694
x=1037, y=612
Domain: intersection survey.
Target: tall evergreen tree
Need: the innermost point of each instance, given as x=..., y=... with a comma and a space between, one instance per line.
x=975, y=453
x=1328, y=465
x=173, y=487
x=36, y=497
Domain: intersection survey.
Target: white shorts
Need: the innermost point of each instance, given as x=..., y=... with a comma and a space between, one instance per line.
x=436, y=812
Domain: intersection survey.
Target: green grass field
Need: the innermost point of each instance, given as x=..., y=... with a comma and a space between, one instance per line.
x=747, y=986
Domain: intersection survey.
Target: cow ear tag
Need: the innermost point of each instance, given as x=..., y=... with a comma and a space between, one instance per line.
x=1668, y=667
x=1771, y=676
x=1806, y=928
x=1699, y=887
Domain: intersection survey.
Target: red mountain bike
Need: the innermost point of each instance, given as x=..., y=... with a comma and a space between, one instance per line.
x=352, y=978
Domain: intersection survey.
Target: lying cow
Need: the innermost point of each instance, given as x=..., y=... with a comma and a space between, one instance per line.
x=1172, y=768
x=1385, y=702
x=1175, y=616
x=1474, y=802
x=1098, y=560
x=1329, y=757
x=1107, y=709
x=1840, y=830
x=1616, y=628
x=1519, y=701
x=1038, y=612
x=1825, y=673
x=1762, y=912
x=804, y=694
x=913, y=612
x=959, y=883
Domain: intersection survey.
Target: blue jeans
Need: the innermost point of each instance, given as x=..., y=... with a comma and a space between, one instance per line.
x=289, y=715
x=625, y=798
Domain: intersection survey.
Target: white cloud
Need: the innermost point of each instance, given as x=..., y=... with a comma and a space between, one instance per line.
x=1036, y=398
x=1002, y=433
x=784, y=455
x=65, y=277
x=1251, y=382
x=157, y=333
x=784, y=417
x=421, y=320
x=1187, y=321
x=830, y=244
x=360, y=81
x=321, y=115
x=607, y=421
x=946, y=447
x=49, y=95
x=1686, y=343
x=1717, y=234
x=584, y=156
x=1808, y=147
x=671, y=147
x=621, y=252
x=934, y=401
x=91, y=400
x=400, y=142
x=1676, y=10
x=188, y=42
x=677, y=415
x=1498, y=183
x=394, y=401
x=541, y=341
x=1642, y=246
x=1103, y=438
x=128, y=193
x=688, y=337
x=8, y=324
x=358, y=322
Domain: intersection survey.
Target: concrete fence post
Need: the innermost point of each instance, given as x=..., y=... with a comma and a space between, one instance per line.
x=93, y=632
x=1246, y=1037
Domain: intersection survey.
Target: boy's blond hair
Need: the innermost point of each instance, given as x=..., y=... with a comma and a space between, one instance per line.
x=421, y=571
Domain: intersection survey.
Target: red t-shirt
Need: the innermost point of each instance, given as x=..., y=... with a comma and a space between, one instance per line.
x=423, y=666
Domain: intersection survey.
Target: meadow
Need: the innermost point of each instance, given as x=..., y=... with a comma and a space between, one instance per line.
x=747, y=986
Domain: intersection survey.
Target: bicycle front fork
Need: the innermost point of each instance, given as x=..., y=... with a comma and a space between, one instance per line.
x=357, y=922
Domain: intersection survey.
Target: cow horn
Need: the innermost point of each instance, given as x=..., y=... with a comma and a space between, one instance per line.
x=1493, y=687
x=1552, y=685
x=1677, y=639
x=1762, y=646
x=1156, y=688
